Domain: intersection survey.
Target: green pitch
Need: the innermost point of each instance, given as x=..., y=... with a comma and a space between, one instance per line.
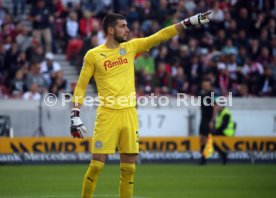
x=152, y=181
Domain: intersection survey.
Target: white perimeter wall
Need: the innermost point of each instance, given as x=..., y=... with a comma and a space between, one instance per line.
x=254, y=117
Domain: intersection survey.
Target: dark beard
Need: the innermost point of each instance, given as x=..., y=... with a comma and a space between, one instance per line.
x=119, y=39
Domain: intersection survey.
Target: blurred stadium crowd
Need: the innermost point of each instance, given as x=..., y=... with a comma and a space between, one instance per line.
x=237, y=50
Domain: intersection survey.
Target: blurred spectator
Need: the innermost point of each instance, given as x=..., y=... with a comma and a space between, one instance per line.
x=229, y=48
x=271, y=28
x=98, y=8
x=2, y=59
x=33, y=93
x=72, y=26
x=232, y=31
x=163, y=79
x=266, y=83
x=254, y=50
x=70, y=3
x=264, y=38
x=196, y=72
x=41, y=17
x=264, y=57
x=16, y=4
x=86, y=24
x=57, y=27
x=10, y=61
x=162, y=55
x=190, y=6
x=73, y=49
x=98, y=31
x=35, y=52
x=18, y=85
x=273, y=67
x=242, y=91
x=162, y=12
x=232, y=66
x=92, y=42
x=49, y=68
x=133, y=16
x=145, y=64
x=242, y=40
x=24, y=39
x=58, y=84
x=8, y=27
x=217, y=13
x=146, y=16
x=253, y=70
x=135, y=30
x=244, y=21
x=220, y=39
x=273, y=46
x=3, y=12
x=180, y=82
x=21, y=61
x=259, y=24
x=37, y=78
x=241, y=56
x=89, y=43
x=224, y=79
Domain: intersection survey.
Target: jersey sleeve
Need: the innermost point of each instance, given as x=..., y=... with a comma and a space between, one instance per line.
x=86, y=74
x=145, y=44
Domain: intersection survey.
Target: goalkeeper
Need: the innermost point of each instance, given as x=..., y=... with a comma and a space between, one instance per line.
x=116, y=126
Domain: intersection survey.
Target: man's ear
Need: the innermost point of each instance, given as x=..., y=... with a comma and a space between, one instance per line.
x=110, y=30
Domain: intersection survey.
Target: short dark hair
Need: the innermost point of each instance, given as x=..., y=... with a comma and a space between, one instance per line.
x=110, y=20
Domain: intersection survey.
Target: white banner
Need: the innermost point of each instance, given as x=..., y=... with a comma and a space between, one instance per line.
x=163, y=122
x=255, y=122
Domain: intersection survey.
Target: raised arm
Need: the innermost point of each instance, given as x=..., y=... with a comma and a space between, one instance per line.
x=144, y=44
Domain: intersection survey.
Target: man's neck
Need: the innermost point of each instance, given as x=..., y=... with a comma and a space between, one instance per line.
x=111, y=43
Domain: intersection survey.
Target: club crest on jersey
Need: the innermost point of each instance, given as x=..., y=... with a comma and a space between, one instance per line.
x=120, y=61
x=98, y=144
x=122, y=51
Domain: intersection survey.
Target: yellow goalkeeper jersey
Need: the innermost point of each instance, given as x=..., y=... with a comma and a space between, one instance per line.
x=113, y=70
